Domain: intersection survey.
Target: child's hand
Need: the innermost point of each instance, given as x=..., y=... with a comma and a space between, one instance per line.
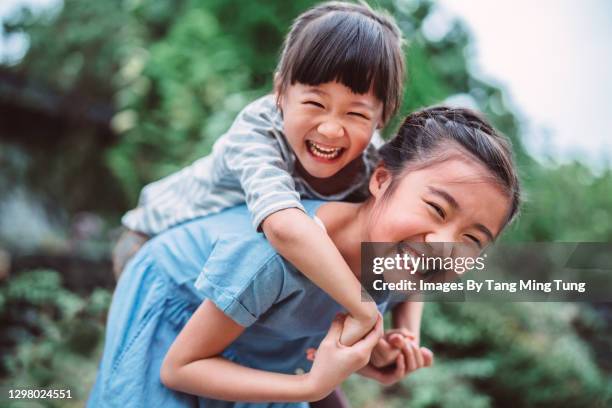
x=354, y=329
x=389, y=347
x=415, y=357
x=409, y=357
x=333, y=362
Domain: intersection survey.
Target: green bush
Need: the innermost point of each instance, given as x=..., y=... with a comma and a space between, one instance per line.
x=503, y=355
x=56, y=336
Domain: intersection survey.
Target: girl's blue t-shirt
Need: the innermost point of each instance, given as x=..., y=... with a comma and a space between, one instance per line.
x=236, y=268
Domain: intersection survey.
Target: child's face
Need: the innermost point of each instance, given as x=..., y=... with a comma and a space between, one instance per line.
x=451, y=201
x=328, y=125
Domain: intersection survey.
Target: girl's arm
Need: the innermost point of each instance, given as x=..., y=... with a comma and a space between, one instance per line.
x=303, y=243
x=406, y=321
x=405, y=336
x=194, y=365
x=408, y=315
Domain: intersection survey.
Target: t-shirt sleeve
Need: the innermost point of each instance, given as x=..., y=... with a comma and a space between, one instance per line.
x=243, y=279
x=253, y=155
x=157, y=205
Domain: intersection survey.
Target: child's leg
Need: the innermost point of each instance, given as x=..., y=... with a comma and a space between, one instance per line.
x=128, y=244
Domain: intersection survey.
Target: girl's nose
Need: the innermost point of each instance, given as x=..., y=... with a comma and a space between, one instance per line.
x=331, y=129
x=441, y=243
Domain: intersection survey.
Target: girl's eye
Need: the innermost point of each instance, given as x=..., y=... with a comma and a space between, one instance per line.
x=437, y=209
x=313, y=103
x=361, y=115
x=476, y=240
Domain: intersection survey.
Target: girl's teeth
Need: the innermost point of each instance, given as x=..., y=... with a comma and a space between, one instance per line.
x=324, y=152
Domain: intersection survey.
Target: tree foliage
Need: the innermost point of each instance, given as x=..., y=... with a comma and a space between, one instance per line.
x=57, y=333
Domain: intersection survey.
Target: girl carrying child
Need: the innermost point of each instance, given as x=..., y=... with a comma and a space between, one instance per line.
x=233, y=321
x=339, y=79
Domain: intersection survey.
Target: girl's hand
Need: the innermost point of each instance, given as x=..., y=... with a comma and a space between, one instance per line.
x=415, y=357
x=388, y=375
x=334, y=362
x=386, y=353
x=395, y=372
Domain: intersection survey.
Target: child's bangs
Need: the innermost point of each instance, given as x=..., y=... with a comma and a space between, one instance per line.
x=344, y=47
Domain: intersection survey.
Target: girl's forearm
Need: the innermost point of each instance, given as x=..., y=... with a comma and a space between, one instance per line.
x=193, y=365
x=408, y=315
x=219, y=378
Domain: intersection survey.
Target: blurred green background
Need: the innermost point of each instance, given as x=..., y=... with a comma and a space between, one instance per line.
x=111, y=95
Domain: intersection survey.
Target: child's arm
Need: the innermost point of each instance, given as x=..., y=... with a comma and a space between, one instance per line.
x=194, y=365
x=303, y=243
x=254, y=157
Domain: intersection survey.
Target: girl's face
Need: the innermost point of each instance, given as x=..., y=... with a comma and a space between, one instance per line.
x=328, y=125
x=451, y=201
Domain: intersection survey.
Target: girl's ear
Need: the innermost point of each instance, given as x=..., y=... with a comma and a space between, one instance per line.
x=380, y=181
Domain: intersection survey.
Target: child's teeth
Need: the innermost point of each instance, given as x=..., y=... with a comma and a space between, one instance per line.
x=325, y=152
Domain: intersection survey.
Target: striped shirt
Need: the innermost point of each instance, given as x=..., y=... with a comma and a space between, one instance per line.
x=253, y=163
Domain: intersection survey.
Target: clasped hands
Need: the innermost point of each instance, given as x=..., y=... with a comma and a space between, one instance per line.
x=396, y=354
x=384, y=357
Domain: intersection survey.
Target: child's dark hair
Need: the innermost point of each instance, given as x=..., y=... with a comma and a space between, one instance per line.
x=424, y=132
x=349, y=43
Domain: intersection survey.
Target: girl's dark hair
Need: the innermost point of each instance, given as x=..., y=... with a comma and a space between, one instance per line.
x=424, y=132
x=348, y=43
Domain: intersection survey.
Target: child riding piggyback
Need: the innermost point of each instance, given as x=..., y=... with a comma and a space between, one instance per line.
x=339, y=79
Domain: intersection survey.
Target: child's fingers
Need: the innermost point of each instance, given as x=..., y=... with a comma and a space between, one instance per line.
x=384, y=346
x=396, y=340
x=428, y=356
x=400, y=367
x=409, y=356
x=384, y=353
x=402, y=331
x=417, y=354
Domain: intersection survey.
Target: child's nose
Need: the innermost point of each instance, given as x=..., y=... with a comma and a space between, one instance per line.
x=331, y=129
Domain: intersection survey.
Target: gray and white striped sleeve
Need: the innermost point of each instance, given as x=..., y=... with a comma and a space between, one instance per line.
x=253, y=156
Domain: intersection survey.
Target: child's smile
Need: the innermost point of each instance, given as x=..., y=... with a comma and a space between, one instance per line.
x=324, y=152
x=328, y=126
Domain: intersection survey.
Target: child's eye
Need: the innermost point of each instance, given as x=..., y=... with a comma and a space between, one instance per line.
x=313, y=103
x=361, y=115
x=476, y=240
x=437, y=209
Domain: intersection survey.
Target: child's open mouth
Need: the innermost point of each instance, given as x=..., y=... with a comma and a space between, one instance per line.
x=323, y=152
